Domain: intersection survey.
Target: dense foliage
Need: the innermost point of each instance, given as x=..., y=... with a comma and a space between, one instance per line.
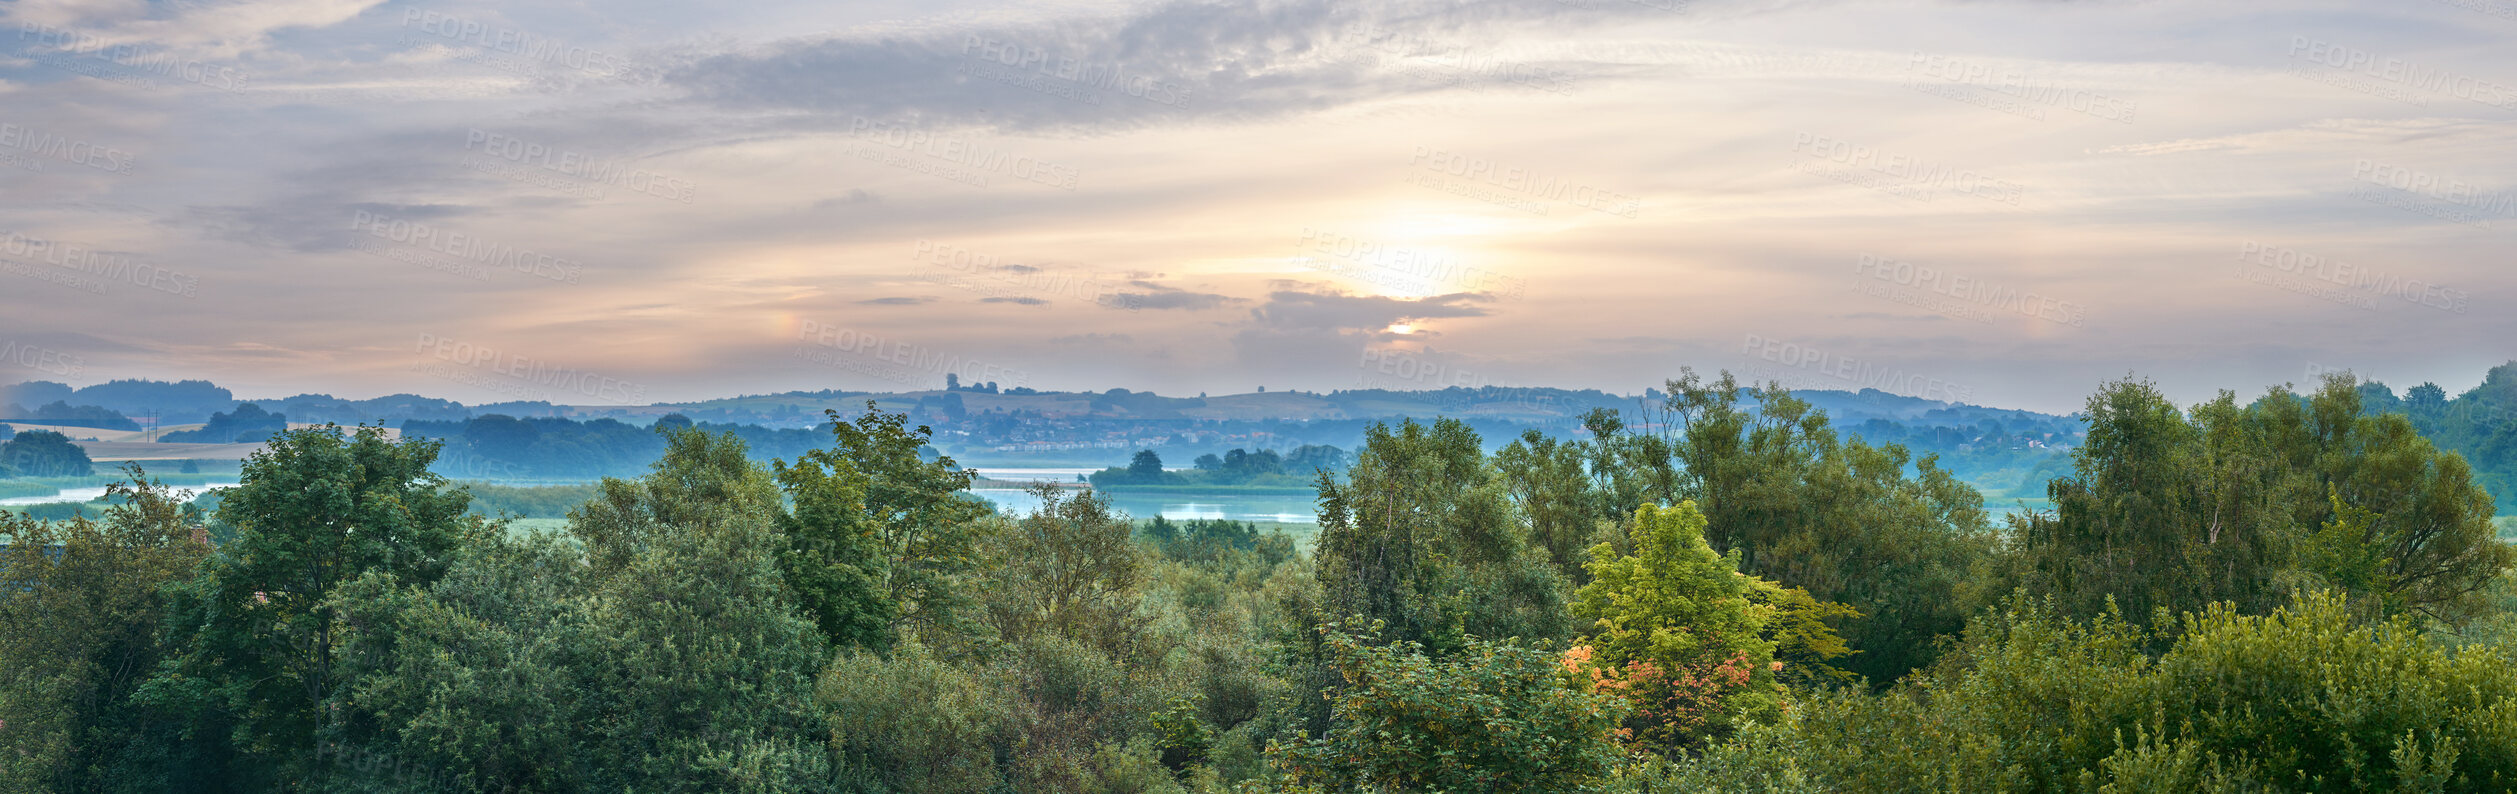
x=1724, y=593
x=2250, y=504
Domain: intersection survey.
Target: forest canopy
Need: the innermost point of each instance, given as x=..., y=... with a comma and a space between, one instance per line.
x=1726, y=592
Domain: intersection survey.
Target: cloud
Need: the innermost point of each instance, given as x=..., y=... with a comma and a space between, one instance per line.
x=193, y=29
x=854, y=196
x=1893, y=317
x=899, y=301
x=1172, y=62
x=1014, y=300
x=1294, y=310
x=1093, y=339
x=1161, y=297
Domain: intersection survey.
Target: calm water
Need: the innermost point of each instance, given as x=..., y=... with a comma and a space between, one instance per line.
x=91, y=494
x=1290, y=509
x=1048, y=474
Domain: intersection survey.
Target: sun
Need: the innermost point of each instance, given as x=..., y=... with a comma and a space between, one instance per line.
x=1401, y=328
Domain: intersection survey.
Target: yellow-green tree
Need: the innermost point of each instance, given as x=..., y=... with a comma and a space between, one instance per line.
x=1674, y=628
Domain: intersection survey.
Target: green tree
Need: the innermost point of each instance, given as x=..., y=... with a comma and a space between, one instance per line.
x=1568, y=512
x=923, y=526
x=2251, y=504
x=1896, y=538
x=1422, y=535
x=256, y=633
x=1070, y=568
x=2421, y=508
x=702, y=483
x=1146, y=466
x=80, y=608
x=678, y=662
x=43, y=453
x=835, y=560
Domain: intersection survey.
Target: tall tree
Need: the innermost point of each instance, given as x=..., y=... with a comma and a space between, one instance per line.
x=703, y=483
x=916, y=511
x=256, y=631
x=1896, y=538
x=1551, y=481
x=1422, y=535
x=80, y=607
x=835, y=560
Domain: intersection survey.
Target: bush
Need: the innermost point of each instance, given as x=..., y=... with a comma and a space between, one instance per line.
x=1498, y=716
x=2303, y=699
x=914, y=723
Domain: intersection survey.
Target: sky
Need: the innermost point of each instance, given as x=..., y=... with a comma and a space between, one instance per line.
x=1998, y=202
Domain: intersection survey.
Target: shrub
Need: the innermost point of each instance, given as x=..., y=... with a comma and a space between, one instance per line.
x=1498, y=716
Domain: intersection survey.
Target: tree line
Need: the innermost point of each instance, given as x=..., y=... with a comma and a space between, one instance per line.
x=1725, y=593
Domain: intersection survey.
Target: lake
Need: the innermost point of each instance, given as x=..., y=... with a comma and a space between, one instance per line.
x=1174, y=505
